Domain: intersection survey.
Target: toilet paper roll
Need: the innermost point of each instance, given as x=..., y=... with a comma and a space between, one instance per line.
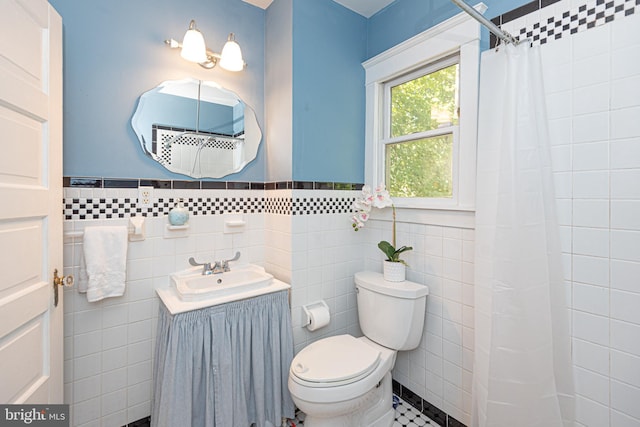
x=318, y=316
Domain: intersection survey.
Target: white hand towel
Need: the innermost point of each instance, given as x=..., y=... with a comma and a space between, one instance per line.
x=105, y=262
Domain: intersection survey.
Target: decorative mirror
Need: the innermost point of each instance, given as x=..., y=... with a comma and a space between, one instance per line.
x=196, y=128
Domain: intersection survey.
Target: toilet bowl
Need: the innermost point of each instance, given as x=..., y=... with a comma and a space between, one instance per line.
x=343, y=381
x=335, y=382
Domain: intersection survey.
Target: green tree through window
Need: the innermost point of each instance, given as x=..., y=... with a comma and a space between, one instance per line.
x=421, y=168
x=421, y=165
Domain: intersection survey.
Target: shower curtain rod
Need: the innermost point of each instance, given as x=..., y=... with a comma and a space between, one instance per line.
x=502, y=35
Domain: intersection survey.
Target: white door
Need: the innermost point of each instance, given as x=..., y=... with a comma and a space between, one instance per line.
x=31, y=338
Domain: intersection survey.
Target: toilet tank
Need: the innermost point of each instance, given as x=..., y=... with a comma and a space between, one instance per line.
x=390, y=313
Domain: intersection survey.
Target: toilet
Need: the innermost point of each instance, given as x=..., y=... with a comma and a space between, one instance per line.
x=343, y=381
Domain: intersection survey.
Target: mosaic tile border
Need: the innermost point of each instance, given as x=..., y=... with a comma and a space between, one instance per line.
x=79, y=208
x=125, y=207
x=436, y=414
x=578, y=19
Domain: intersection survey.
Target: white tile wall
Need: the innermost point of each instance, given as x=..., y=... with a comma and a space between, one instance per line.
x=318, y=255
x=440, y=369
x=600, y=133
x=109, y=344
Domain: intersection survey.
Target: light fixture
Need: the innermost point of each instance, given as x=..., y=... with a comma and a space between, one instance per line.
x=231, y=56
x=193, y=49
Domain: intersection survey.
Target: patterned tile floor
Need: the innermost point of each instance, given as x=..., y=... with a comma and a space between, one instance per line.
x=406, y=416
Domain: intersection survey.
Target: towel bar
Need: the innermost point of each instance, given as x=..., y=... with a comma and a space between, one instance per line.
x=136, y=230
x=81, y=233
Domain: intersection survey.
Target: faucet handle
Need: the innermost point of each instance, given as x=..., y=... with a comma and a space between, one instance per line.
x=235, y=257
x=214, y=267
x=224, y=264
x=194, y=263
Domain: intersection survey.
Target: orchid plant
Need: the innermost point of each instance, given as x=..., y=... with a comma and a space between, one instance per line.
x=378, y=198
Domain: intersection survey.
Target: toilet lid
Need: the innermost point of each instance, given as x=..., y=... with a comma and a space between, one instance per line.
x=335, y=359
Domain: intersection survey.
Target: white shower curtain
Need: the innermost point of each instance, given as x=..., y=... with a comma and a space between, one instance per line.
x=522, y=366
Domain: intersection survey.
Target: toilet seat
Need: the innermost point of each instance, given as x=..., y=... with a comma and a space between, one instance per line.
x=334, y=361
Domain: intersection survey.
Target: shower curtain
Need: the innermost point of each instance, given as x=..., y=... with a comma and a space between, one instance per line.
x=522, y=359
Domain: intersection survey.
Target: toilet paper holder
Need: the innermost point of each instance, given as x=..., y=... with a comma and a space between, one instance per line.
x=306, y=311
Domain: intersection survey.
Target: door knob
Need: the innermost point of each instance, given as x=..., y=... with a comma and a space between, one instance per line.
x=60, y=281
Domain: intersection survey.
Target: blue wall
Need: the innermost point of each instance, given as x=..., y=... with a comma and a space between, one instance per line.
x=329, y=45
x=278, y=89
x=114, y=52
x=403, y=19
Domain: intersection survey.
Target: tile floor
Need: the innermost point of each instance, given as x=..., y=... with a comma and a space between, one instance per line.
x=406, y=416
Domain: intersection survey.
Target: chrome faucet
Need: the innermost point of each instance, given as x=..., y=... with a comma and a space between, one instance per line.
x=217, y=267
x=220, y=267
x=206, y=266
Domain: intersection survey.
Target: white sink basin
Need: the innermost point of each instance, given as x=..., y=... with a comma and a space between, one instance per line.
x=192, y=285
x=190, y=290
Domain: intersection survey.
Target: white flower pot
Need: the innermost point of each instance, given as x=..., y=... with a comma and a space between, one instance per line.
x=394, y=271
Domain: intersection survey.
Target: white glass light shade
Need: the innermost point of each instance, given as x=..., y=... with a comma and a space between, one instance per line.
x=193, y=46
x=231, y=56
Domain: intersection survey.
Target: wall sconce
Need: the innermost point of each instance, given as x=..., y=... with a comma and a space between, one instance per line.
x=194, y=49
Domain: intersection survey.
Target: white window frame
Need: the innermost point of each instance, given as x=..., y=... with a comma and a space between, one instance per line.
x=386, y=138
x=458, y=35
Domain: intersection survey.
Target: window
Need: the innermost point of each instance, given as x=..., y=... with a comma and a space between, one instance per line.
x=421, y=117
x=420, y=137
